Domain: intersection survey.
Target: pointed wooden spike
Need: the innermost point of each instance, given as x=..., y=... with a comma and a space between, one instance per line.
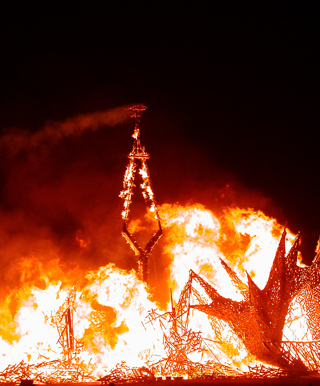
x=316, y=260
x=278, y=264
x=292, y=256
x=240, y=286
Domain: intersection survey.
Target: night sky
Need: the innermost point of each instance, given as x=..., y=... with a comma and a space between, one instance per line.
x=233, y=117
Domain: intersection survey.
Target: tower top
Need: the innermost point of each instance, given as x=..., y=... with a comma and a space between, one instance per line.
x=136, y=111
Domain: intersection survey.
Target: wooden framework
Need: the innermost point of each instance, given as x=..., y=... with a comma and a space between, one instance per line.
x=138, y=154
x=308, y=352
x=180, y=341
x=259, y=319
x=63, y=320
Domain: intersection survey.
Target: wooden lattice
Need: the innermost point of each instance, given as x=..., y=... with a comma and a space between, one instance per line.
x=180, y=341
x=139, y=155
x=259, y=319
x=308, y=352
x=63, y=321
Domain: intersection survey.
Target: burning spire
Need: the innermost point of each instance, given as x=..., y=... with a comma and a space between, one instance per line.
x=138, y=154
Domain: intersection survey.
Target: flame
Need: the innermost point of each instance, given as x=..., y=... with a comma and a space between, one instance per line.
x=111, y=304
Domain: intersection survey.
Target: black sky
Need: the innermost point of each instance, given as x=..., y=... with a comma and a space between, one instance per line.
x=232, y=90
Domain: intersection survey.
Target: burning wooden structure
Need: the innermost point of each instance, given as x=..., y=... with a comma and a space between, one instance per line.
x=180, y=341
x=63, y=321
x=258, y=320
x=137, y=154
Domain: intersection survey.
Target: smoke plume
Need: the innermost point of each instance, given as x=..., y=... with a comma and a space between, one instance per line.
x=17, y=139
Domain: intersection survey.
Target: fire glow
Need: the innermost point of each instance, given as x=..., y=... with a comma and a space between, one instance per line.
x=111, y=325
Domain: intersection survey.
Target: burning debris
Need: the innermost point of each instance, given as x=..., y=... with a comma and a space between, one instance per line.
x=71, y=370
x=180, y=342
x=123, y=373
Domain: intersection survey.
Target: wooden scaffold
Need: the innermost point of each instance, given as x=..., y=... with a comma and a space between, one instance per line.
x=138, y=154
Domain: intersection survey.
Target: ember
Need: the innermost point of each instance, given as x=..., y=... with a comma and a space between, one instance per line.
x=109, y=328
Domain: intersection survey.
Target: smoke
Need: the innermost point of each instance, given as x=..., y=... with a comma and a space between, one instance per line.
x=16, y=139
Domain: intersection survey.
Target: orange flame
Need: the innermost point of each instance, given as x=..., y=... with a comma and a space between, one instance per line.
x=111, y=304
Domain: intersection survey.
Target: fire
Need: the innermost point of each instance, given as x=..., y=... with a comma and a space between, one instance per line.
x=245, y=239
x=111, y=304
x=223, y=270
